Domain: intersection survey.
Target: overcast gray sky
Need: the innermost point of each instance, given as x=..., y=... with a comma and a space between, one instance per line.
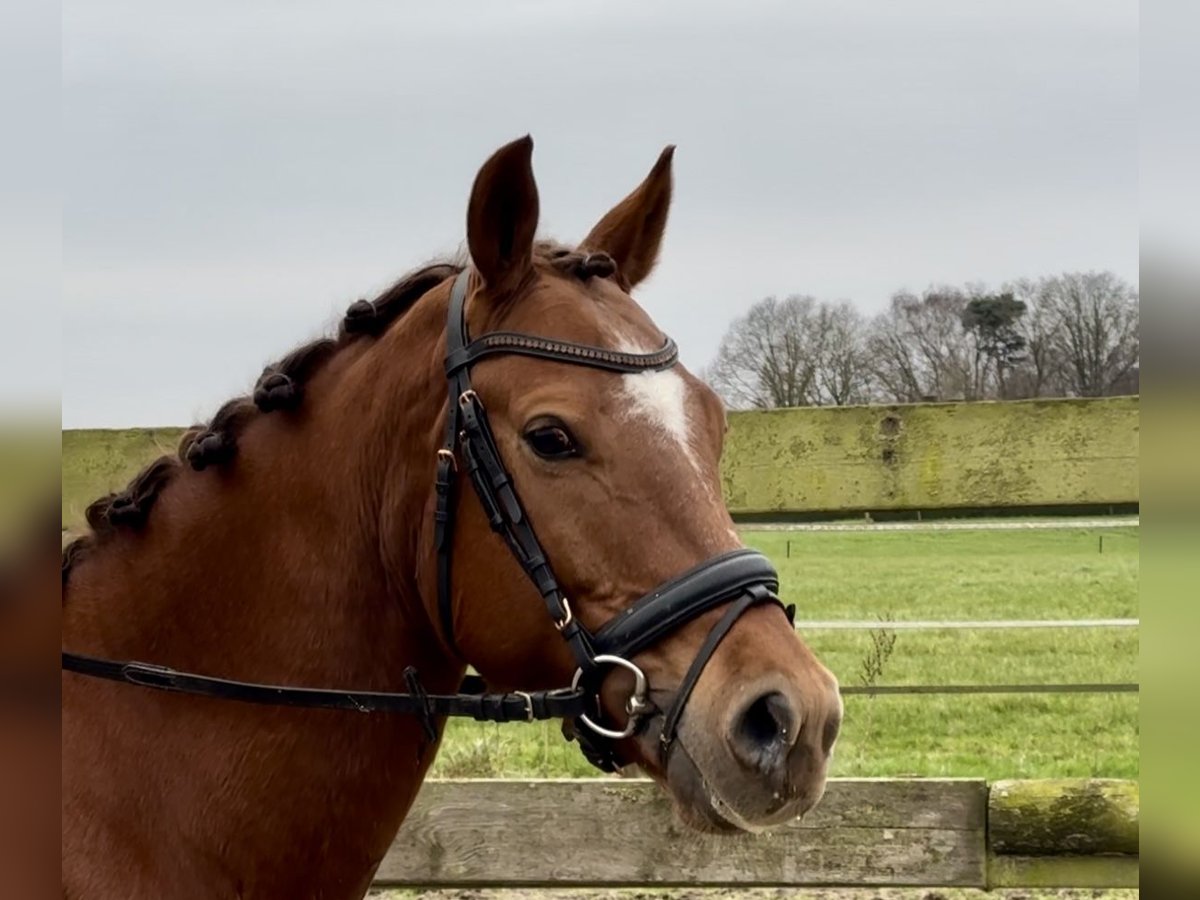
x=236, y=173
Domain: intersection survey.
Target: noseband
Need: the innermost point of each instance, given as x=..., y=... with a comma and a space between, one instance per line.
x=740, y=578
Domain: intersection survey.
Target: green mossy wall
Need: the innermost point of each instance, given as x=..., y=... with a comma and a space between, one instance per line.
x=1029, y=453
x=934, y=456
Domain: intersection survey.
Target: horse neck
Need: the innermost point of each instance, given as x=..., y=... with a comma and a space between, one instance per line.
x=296, y=564
x=296, y=560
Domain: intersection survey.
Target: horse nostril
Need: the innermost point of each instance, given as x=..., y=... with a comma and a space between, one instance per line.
x=765, y=718
x=764, y=732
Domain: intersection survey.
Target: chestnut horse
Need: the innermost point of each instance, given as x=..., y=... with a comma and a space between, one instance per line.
x=298, y=548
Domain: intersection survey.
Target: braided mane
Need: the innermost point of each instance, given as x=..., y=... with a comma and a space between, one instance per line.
x=280, y=389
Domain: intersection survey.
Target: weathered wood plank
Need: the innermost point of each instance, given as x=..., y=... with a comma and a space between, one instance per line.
x=618, y=832
x=1063, y=817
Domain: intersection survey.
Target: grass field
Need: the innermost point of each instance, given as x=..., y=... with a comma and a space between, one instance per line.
x=968, y=575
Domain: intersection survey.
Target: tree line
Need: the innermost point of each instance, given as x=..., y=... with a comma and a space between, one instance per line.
x=1068, y=335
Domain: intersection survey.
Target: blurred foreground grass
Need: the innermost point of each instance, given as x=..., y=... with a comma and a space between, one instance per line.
x=29, y=456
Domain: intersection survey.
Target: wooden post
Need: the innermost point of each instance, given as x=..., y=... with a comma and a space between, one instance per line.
x=1063, y=833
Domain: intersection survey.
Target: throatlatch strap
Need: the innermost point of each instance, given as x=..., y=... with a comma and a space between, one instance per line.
x=446, y=476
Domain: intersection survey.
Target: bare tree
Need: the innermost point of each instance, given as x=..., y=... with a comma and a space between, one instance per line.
x=1039, y=374
x=920, y=351
x=843, y=375
x=794, y=352
x=1096, y=330
x=1073, y=334
x=764, y=360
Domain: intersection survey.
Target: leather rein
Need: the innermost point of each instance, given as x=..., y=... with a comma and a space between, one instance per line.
x=740, y=578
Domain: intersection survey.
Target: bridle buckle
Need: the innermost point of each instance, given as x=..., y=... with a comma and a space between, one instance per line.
x=528, y=704
x=568, y=616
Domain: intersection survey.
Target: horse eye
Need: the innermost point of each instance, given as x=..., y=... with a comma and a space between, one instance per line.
x=552, y=442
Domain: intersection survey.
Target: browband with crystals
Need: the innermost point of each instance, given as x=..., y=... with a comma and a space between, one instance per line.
x=509, y=342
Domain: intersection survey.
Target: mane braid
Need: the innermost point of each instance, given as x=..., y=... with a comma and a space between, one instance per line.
x=373, y=317
x=217, y=443
x=281, y=385
x=131, y=506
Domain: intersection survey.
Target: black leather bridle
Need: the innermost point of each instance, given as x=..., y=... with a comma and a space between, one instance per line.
x=740, y=578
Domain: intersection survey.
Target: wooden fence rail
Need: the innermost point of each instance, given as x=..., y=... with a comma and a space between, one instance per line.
x=869, y=832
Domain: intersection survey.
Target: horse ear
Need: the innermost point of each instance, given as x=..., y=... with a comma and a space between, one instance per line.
x=502, y=216
x=632, y=231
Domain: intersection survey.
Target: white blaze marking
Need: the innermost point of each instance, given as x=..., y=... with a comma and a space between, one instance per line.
x=660, y=398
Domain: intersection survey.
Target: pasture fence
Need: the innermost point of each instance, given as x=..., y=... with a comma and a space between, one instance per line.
x=1101, y=687
x=1053, y=524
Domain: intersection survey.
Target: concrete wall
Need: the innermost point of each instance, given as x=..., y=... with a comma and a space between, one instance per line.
x=822, y=461
x=933, y=456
